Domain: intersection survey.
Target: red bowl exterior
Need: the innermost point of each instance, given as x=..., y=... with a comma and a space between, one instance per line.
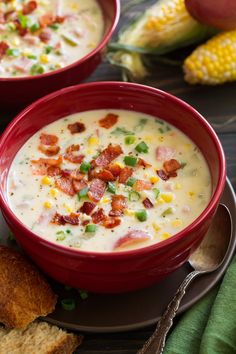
x=123, y=271
x=16, y=93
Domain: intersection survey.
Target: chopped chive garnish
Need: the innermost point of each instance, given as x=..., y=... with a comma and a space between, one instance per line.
x=13, y=52
x=35, y=27
x=142, y=147
x=168, y=211
x=68, y=304
x=54, y=26
x=130, y=140
x=91, y=228
x=141, y=215
x=156, y=192
x=85, y=167
x=131, y=181
x=31, y=56
x=48, y=49
x=111, y=187
x=134, y=196
x=121, y=131
x=140, y=125
x=83, y=294
x=130, y=160
x=24, y=21
x=83, y=193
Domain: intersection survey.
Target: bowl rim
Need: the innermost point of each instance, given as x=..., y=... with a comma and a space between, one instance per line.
x=72, y=252
x=96, y=50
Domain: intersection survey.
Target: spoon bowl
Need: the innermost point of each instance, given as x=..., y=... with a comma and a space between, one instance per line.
x=207, y=258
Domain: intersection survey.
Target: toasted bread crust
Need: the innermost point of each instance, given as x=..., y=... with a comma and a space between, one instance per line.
x=67, y=345
x=25, y=294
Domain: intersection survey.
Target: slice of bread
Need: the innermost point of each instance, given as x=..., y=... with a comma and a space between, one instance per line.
x=38, y=338
x=25, y=294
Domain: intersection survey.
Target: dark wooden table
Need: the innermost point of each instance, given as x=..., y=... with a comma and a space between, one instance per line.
x=218, y=105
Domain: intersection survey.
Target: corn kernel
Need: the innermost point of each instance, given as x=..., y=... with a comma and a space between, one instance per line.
x=167, y=197
x=46, y=181
x=154, y=179
x=47, y=205
x=156, y=227
x=44, y=59
x=129, y=212
x=165, y=235
x=191, y=194
x=105, y=200
x=177, y=223
x=121, y=165
x=93, y=140
x=54, y=192
x=148, y=139
x=160, y=201
x=178, y=186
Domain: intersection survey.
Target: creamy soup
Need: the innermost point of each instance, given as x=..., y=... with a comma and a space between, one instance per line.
x=44, y=35
x=108, y=180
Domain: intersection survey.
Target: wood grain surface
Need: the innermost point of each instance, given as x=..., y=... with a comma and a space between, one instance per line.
x=217, y=105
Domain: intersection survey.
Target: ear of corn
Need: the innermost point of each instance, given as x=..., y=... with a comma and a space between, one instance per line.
x=163, y=27
x=214, y=62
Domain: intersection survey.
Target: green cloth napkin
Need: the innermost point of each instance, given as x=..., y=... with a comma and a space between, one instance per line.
x=209, y=327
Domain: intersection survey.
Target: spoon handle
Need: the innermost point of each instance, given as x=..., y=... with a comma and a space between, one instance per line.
x=155, y=344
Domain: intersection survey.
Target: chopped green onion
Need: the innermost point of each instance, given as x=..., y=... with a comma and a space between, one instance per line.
x=13, y=52
x=31, y=56
x=131, y=181
x=156, y=192
x=142, y=147
x=60, y=235
x=24, y=20
x=82, y=193
x=36, y=69
x=141, y=215
x=140, y=125
x=48, y=49
x=130, y=140
x=121, y=131
x=168, y=211
x=85, y=167
x=164, y=129
x=90, y=228
x=134, y=196
x=35, y=27
x=130, y=160
x=111, y=187
x=54, y=26
x=83, y=294
x=68, y=304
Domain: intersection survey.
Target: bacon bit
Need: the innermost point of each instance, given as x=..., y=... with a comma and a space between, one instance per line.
x=78, y=185
x=29, y=7
x=65, y=185
x=45, y=36
x=48, y=139
x=73, y=148
x=70, y=156
x=87, y=208
x=141, y=185
x=171, y=166
x=164, y=153
x=76, y=128
x=105, y=176
x=46, y=20
x=98, y=216
x=49, y=150
x=132, y=238
x=22, y=31
x=118, y=205
x=10, y=16
x=53, y=171
x=3, y=48
x=59, y=19
x=108, y=155
x=147, y=203
x=114, y=169
x=108, y=122
x=125, y=174
x=111, y=223
x=74, y=174
x=72, y=219
x=96, y=190
x=92, y=174
x=162, y=175
x=50, y=162
x=143, y=163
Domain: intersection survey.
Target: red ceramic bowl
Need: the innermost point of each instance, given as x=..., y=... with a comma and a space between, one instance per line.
x=15, y=93
x=123, y=271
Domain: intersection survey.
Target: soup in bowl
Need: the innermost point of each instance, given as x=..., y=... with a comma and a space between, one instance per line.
x=112, y=186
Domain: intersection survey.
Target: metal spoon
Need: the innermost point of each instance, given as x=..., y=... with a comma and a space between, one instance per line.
x=208, y=257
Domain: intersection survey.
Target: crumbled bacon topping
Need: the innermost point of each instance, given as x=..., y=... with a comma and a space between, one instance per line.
x=71, y=154
x=65, y=185
x=125, y=174
x=76, y=128
x=108, y=121
x=105, y=176
x=147, y=203
x=98, y=216
x=72, y=219
x=111, y=223
x=96, y=190
x=48, y=139
x=79, y=185
x=162, y=175
x=49, y=150
x=108, y=155
x=118, y=205
x=171, y=166
x=87, y=208
x=29, y=7
x=141, y=185
x=3, y=48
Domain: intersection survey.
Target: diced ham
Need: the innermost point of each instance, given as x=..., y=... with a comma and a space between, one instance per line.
x=72, y=219
x=125, y=174
x=141, y=185
x=105, y=176
x=108, y=121
x=46, y=20
x=111, y=223
x=29, y=7
x=32, y=40
x=108, y=155
x=118, y=205
x=132, y=238
x=65, y=185
x=45, y=35
x=78, y=185
x=96, y=190
x=76, y=128
x=3, y=49
x=49, y=150
x=162, y=175
x=98, y=216
x=87, y=208
x=147, y=203
x=164, y=153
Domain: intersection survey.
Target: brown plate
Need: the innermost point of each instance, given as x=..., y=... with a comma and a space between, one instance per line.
x=124, y=312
